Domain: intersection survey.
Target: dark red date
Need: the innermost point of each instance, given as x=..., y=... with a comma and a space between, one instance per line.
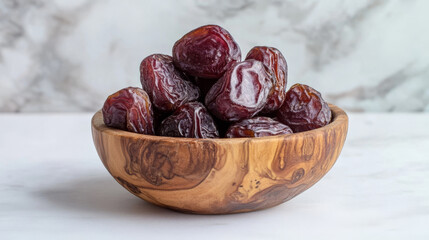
x=191, y=120
x=276, y=66
x=304, y=109
x=167, y=87
x=257, y=127
x=241, y=93
x=206, y=52
x=129, y=109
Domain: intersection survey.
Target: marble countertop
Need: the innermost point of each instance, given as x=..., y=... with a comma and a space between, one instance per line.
x=53, y=185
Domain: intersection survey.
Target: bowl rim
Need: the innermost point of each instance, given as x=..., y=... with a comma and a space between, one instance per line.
x=339, y=117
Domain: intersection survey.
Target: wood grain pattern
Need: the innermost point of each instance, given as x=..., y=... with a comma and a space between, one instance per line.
x=217, y=176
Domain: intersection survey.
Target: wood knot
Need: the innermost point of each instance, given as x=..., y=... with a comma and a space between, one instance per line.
x=297, y=175
x=130, y=187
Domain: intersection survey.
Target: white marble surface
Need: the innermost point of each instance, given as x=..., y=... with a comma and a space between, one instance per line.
x=53, y=185
x=58, y=55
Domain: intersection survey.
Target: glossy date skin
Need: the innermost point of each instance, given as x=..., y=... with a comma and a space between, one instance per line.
x=276, y=66
x=304, y=109
x=129, y=109
x=241, y=93
x=191, y=120
x=257, y=127
x=168, y=88
x=206, y=52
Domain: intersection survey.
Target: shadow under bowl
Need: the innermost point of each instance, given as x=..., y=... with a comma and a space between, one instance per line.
x=219, y=176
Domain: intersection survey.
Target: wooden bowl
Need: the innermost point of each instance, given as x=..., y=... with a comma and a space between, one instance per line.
x=218, y=176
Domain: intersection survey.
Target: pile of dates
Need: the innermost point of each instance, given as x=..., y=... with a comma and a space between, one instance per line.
x=205, y=90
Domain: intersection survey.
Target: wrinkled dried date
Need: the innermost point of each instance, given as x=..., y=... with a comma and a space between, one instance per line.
x=257, y=127
x=190, y=120
x=304, y=109
x=241, y=93
x=129, y=109
x=167, y=87
x=206, y=52
x=206, y=66
x=276, y=66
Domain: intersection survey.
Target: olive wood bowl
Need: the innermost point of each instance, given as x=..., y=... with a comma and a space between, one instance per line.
x=219, y=176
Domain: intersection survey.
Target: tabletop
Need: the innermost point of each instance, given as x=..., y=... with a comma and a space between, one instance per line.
x=53, y=186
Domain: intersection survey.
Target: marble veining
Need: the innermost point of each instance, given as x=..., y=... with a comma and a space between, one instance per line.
x=69, y=55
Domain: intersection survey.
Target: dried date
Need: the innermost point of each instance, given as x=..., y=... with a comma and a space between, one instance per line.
x=257, y=127
x=241, y=93
x=191, y=120
x=206, y=52
x=276, y=66
x=129, y=109
x=167, y=87
x=304, y=109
